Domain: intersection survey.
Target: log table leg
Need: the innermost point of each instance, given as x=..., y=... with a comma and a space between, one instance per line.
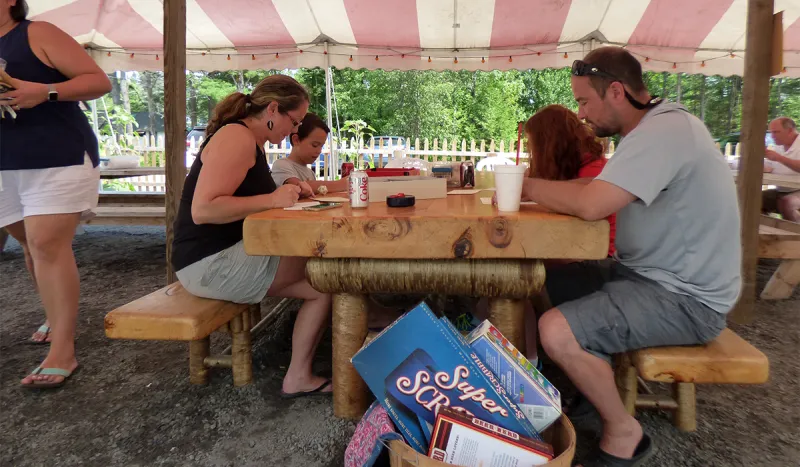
x=198, y=351
x=241, y=350
x=350, y=393
x=508, y=316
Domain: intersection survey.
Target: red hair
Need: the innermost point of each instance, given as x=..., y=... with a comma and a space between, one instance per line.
x=560, y=144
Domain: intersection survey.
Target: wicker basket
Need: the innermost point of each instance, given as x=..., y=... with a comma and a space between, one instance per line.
x=561, y=435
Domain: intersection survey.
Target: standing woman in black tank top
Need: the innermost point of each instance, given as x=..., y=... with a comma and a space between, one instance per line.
x=48, y=169
x=229, y=180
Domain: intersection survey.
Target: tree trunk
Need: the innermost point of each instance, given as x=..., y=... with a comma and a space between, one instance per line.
x=680, y=90
x=126, y=101
x=664, y=76
x=731, y=104
x=703, y=98
x=780, y=98
x=149, y=81
x=115, y=88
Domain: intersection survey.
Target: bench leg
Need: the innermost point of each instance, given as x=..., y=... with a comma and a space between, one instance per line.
x=782, y=283
x=508, y=316
x=350, y=395
x=198, y=351
x=255, y=314
x=627, y=382
x=241, y=350
x=685, y=418
x=3, y=239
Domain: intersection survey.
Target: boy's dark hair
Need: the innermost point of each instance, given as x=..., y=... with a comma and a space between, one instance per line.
x=310, y=122
x=619, y=63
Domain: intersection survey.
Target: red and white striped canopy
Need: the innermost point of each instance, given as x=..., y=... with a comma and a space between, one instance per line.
x=692, y=36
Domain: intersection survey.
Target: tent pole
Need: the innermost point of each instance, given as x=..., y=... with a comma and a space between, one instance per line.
x=174, y=114
x=332, y=159
x=755, y=112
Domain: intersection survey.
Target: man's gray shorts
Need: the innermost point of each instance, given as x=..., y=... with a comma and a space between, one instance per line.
x=611, y=309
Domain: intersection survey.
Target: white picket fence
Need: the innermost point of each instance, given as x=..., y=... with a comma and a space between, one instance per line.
x=152, y=155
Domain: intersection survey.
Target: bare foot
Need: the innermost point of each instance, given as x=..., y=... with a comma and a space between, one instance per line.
x=48, y=362
x=621, y=440
x=297, y=385
x=40, y=336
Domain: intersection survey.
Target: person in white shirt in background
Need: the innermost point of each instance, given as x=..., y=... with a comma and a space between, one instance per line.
x=786, y=202
x=307, y=143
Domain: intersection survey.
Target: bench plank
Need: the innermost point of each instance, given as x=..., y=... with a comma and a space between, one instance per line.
x=170, y=313
x=777, y=243
x=129, y=215
x=726, y=359
x=782, y=283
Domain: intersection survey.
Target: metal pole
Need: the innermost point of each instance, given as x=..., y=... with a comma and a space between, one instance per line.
x=332, y=159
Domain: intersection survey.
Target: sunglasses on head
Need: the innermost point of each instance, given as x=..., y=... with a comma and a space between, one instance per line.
x=581, y=68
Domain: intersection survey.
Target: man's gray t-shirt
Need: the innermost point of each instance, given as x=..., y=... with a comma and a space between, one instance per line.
x=285, y=168
x=683, y=231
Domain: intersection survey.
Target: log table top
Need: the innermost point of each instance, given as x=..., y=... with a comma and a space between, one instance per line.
x=458, y=226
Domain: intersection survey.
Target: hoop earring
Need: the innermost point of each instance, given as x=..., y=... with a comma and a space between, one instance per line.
x=269, y=124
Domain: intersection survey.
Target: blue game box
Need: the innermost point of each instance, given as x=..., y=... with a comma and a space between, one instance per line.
x=420, y=363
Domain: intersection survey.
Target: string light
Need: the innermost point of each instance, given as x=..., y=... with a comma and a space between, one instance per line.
x=351, y=58
x=156, y=56
x=483, y=60
x=277, y=55
x=229, y=57
x=455, y=60
x=253, y=56
x=376, y=58
x=203, y=54
x=108, y=54
x=429, y=59
x=131, y=55
x=325, y=52
x=674, y=65
x=301, y=50
x=510, y=59
x=784, y=70
x=402, y=55
x=539, y=54
x=703, y=64
x=647, y=59
x=566, y=55
x=733, y=55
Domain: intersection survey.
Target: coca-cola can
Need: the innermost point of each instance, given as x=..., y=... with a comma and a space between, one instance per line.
x=359, y=189
x=347, y=168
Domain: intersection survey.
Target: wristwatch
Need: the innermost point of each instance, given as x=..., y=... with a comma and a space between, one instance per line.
x=52, y=94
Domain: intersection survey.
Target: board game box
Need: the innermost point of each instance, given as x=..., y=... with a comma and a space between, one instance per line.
x=419, y=364
x=528, y=388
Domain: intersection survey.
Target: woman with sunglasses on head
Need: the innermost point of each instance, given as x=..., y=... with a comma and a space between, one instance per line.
x=229, y=180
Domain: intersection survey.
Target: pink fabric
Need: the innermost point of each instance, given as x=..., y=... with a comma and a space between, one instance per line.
x=525, y=22
x=372, y=431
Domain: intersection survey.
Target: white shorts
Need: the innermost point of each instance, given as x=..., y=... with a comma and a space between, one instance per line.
x=37, y=192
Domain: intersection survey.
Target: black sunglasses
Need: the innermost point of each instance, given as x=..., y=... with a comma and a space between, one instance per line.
x=581, y=68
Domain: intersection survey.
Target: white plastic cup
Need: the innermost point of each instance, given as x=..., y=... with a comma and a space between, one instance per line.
x=508, y=186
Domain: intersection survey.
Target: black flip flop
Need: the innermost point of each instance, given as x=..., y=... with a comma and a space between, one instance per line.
x=313, y=393
x=643, y=452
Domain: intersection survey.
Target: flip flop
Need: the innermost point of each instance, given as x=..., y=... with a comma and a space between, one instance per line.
x=644, y=450
x=313, y=393
x=50, y=372
x=44, y=329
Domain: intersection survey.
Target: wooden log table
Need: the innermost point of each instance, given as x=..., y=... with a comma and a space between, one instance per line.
x=455, y=245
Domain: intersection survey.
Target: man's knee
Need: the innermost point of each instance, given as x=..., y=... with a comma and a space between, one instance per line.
x=556, y=335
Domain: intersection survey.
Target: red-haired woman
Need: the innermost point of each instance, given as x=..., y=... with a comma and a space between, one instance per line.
x=564, y=148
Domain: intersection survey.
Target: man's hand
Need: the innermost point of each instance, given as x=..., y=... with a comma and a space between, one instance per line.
x=772, y=155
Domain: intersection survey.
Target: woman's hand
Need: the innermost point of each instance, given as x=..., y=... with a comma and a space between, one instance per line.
x=285, y=196
x=25, y=94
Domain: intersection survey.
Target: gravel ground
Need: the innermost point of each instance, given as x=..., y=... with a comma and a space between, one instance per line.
x=132, y=403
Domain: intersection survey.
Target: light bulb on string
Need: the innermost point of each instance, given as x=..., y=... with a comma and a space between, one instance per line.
x=376, y=58
x=455, y=60
x=703, y=64
x=538, y=54
x=253, y=56
x=229, y=57
x=674, y=65
x=566, y=55
x=483, y=60
x=156, y=56
x=402, y=55
x=647, y=59
x=510, y=59
x=429, y=59
x=108, y=54
x=351, y=58
x=203, y=54
x=131, y=55
x=277, y=55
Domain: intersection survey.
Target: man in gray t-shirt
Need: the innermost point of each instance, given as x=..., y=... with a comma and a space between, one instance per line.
x=676, y=272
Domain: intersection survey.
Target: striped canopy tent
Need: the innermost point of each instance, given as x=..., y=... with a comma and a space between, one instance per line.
x=690, y=36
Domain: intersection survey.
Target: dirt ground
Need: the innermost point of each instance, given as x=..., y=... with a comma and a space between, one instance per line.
x=132, y=404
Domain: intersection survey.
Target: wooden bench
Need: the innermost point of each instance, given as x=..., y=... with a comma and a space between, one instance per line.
x=728, y=359
x=172, y=313
x=780, y=239
x=129, y=215
x=131, y=198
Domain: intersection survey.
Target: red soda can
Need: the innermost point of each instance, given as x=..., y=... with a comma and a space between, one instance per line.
x=347, y=168
x=359, y=189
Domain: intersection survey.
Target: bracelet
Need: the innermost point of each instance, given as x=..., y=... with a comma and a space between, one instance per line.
x=322, y=190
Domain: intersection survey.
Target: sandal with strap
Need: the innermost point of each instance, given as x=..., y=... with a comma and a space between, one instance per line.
x=43, y=329
x=49, y=372
x=644, y=450
x=314, y=392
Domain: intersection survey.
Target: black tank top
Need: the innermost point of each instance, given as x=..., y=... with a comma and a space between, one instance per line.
x=194, y=242
x=52, y=134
